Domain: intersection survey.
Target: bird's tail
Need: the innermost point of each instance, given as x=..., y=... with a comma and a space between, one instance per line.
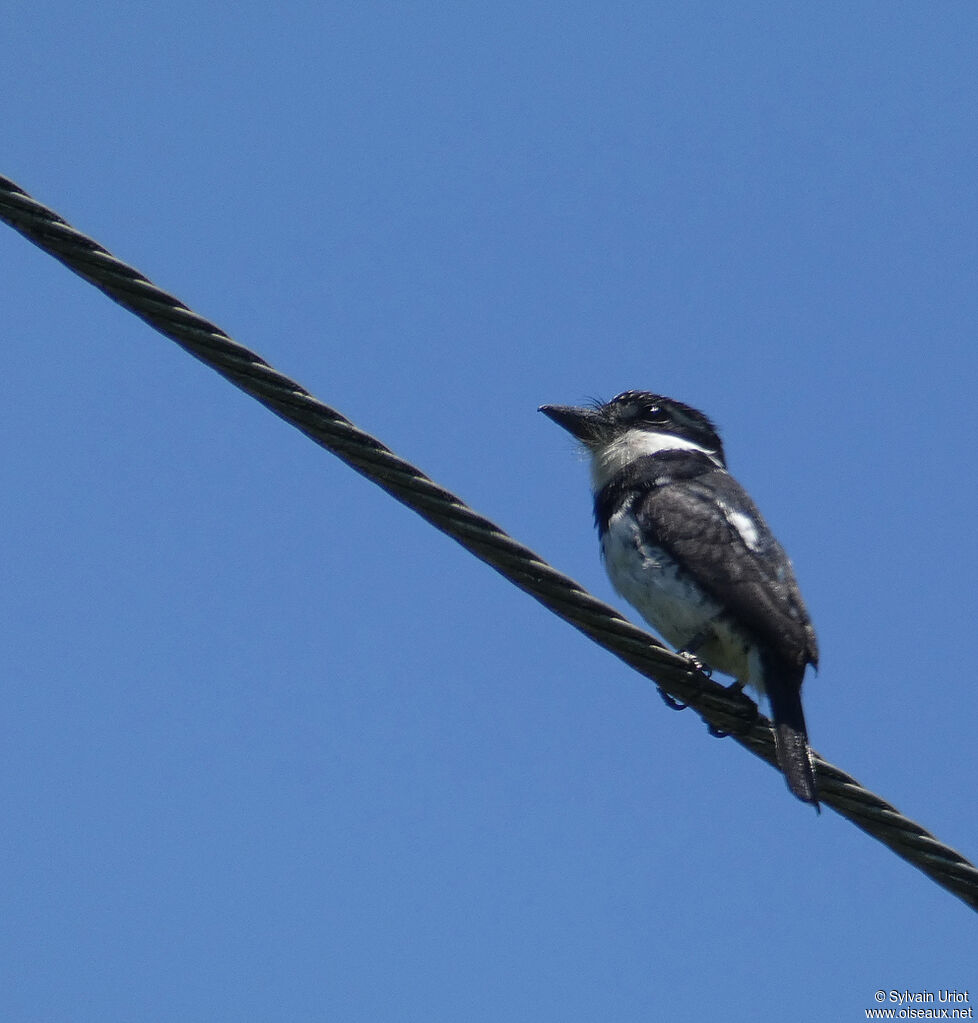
x=791, y=735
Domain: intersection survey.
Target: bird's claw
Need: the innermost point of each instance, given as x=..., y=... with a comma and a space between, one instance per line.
x=695, y=663
x=737, y=686
x=670, y=701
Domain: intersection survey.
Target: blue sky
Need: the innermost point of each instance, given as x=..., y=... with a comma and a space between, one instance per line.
x=271, y=747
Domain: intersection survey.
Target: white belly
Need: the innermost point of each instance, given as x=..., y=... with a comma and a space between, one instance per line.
x=651, y=581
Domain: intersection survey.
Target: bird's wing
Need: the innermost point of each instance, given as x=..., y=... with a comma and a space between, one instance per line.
x=713, y=528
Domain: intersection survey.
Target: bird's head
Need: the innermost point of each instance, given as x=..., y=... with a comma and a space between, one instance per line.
x=633, y=424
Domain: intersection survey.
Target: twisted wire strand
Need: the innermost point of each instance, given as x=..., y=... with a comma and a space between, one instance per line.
x=724, y=710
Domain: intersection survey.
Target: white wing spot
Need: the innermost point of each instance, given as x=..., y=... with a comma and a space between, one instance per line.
x=745, y=526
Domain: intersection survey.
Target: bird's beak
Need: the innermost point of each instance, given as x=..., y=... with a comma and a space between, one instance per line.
x=584, y=423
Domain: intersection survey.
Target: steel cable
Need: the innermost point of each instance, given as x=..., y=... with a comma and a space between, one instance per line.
x=725, y=711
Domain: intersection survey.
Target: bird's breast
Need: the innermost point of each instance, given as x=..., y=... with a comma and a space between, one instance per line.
x=671, y=600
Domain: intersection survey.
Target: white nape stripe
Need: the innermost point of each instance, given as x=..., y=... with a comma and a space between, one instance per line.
x=609, y=459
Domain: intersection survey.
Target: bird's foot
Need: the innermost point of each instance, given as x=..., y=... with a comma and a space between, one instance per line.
x=671, y=702
x=695, y=663
x=737, y=686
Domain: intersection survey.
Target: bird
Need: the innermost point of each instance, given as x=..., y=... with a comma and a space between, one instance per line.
x=685, y=545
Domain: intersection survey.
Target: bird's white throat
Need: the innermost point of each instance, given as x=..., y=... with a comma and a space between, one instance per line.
x=609, y=459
